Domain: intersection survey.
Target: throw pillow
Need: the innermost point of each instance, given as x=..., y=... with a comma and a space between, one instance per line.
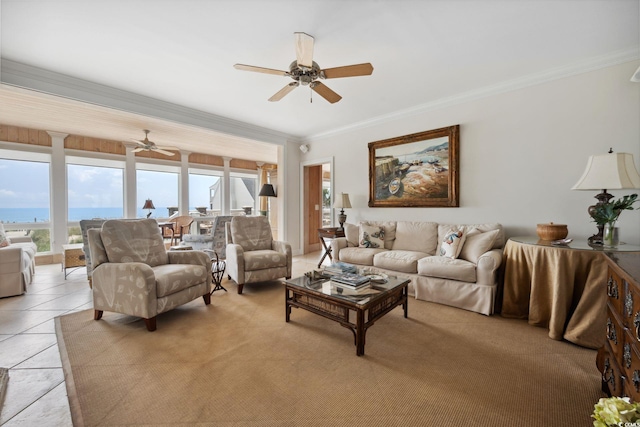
x=4, y=240
x=477, y=243
x=452, y=243
x=371, y=236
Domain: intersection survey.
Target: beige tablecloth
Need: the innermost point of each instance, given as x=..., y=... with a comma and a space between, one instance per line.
x=558, y=288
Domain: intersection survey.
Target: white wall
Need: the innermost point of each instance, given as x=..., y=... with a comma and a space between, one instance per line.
x=520, y=153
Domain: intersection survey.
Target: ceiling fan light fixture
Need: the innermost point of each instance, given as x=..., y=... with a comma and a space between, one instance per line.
x=304, y=71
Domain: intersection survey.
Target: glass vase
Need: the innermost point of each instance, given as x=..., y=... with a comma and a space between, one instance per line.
x=610, y=235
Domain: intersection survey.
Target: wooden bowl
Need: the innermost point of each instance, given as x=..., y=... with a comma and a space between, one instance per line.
x=552, y=231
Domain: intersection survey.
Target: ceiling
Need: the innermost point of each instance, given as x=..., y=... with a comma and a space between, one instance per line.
x=182, y=52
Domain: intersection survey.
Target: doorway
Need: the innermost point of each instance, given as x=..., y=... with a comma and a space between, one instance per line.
x=317, y=197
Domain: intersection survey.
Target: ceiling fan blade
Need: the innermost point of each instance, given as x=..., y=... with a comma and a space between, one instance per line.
x=260, y=70
x=166, y=147
x=304, y=49
x=348, y=71
x=166, y=153
x=325, y=92
x=285, y=90
x=137, y=150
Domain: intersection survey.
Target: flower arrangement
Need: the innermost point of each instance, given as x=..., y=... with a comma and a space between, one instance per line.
x=608, y=213
x=616, y=411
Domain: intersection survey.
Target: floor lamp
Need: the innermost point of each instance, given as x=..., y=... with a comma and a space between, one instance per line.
x=267, y=190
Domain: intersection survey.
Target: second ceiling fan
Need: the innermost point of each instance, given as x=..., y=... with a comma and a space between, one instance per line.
x=305, y=71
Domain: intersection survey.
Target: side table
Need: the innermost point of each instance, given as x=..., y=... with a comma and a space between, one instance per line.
x=73, y=258
x=218, y=267
x=328, y=233
x=561, y=288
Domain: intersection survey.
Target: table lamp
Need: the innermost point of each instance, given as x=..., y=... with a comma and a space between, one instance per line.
x=611, y=171
x=342, y=202
x=148, y=204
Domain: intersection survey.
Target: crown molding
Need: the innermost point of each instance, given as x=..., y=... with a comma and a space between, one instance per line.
x=592, y=64
x=40, y=80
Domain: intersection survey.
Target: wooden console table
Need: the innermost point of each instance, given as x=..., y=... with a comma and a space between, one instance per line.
x=328, y=233
x=562, y=288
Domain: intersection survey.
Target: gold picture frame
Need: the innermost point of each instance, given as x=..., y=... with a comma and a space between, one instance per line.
x=416, y=170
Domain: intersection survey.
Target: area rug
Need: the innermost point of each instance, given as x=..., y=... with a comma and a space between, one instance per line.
x=237, y=362
x=4, y=381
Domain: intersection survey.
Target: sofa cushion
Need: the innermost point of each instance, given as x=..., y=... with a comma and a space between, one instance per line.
x=416, y=236
x=172, y=278
x=259, y=260
x=477, y=243
x=447, y=268
x=484, y=227
x=401, y=261
x=389, y=231
x=452, y=241
x=351, y=233
x=361, y=256
x=371, y=236
x=134, y=241
x=4, y=240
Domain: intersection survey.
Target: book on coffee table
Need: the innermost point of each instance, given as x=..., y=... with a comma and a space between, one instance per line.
x=350, y=280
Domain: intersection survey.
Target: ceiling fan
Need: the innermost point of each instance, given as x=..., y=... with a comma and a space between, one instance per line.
x=305, y=71
x=146, y=145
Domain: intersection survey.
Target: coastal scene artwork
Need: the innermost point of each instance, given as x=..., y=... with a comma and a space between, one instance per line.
x=417, y=170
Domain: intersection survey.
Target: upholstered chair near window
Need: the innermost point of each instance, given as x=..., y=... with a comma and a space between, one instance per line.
x=134, y=274
x=252, y=254
x=85, y=225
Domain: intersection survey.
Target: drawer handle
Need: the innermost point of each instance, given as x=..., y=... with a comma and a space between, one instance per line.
x=636, y=379
x=607, y=374
x=611, y=331
x=612, y=288
x=627, y=355
x=628, y=304
x=636, y=323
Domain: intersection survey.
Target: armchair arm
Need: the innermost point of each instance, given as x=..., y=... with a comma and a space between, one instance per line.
x=336, y=245
x=192, y=257
x=285, y=248
x=11, y=259
x=488, y=264
x=235, y=262
x=21, y=239
x=128, y=288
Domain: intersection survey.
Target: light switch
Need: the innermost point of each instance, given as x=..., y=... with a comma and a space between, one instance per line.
x=317, y=207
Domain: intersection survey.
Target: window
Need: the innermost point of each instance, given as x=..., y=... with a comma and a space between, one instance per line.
x=94, y=191
x=161, y=185
x=205, y=191
x=243, y=191
x=25, y=202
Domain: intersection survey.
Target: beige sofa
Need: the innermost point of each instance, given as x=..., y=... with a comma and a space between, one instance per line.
x=413, y=249
x=17, y=266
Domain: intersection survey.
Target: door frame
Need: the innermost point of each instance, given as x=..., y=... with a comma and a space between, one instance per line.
x=315, y=162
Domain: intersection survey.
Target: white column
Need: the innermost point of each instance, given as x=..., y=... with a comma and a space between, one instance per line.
x=58, y=184
x=226, y=187
x=130, y=183
x=183, y=204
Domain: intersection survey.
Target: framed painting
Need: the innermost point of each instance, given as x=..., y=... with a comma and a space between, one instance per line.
x=417, y=170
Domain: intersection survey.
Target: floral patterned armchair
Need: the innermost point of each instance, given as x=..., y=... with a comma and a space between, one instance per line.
x=252, y=254
x=134, y=274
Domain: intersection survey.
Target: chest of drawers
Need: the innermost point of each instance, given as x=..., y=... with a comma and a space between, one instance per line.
x=619, y=359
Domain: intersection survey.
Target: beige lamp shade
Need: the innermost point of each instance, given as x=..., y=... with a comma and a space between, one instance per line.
x=342, y=201
x=613, y=171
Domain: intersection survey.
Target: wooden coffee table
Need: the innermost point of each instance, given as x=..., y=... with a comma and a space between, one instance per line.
x=342, y=305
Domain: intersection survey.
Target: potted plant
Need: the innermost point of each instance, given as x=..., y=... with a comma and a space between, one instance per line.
x=606, y=214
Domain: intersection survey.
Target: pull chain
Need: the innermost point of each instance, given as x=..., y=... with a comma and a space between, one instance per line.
x=310, y=95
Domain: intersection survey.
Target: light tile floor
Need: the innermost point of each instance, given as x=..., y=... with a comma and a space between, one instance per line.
x=36, y=394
